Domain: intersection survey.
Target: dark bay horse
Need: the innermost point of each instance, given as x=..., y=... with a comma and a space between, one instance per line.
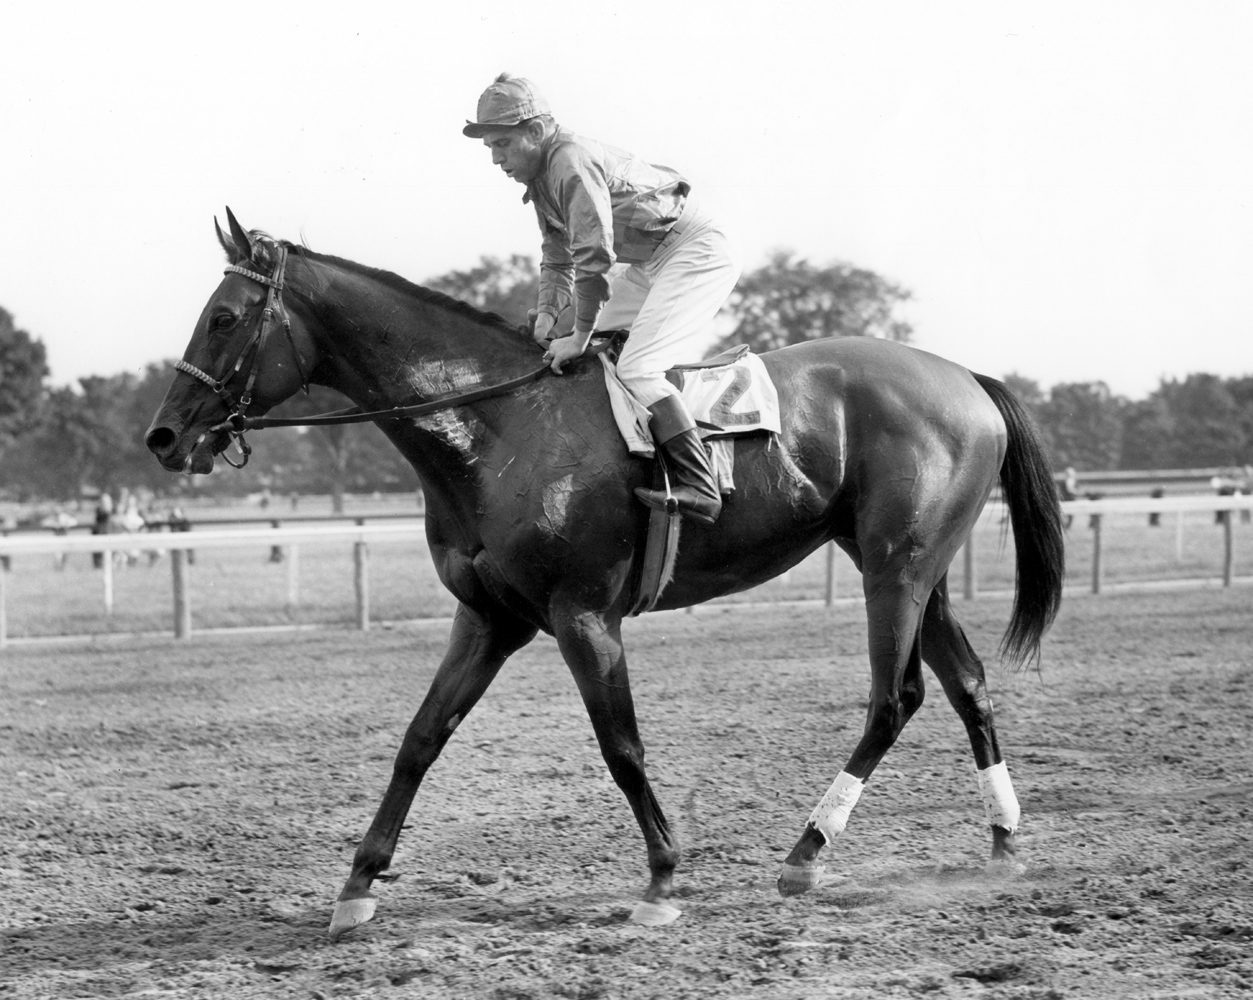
x=532, y=524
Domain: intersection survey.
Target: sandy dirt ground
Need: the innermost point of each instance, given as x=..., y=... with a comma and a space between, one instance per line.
x=178, y=818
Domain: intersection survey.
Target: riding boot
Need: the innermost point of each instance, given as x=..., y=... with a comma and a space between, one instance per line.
x=691, y=478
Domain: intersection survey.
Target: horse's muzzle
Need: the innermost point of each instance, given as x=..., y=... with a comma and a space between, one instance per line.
x=165, y=442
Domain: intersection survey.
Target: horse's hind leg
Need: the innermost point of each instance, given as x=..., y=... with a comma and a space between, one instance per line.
x=896, y=693
x=479, y=645
x=948, y=653
x=592, y=647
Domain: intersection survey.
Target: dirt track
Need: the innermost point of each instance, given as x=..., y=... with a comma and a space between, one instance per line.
x=178, y=820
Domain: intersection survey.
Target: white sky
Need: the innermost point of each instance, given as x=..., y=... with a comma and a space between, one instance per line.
x=1067, y=188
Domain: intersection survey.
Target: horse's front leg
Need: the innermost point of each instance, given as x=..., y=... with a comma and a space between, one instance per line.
x=592, y=646
x=479, y=646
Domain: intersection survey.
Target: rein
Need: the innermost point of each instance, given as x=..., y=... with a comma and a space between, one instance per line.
x=356, y=415
x=239, y=422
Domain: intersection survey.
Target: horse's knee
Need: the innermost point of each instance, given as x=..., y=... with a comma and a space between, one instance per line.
x=886, y=718
x=625, y=761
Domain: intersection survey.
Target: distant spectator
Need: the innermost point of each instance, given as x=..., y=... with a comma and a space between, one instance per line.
x=8, y=524
x=1227, y=484
x=60, y=523
x=102, y=525
x=1155, y=516
x=178, y=522
x=1067, y=488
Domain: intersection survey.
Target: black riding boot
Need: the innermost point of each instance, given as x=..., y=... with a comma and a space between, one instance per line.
x=691, y=478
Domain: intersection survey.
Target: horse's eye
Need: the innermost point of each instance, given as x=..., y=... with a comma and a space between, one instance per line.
x=223, y=322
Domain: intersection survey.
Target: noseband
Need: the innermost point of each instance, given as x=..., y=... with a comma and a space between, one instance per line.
x=274, y=309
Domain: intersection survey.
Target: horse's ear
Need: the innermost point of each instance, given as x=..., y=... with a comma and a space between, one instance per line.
x=232, y=255
x=243, y=245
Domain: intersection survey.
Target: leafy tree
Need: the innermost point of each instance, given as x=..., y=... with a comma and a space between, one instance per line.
x=47, y=461
x=1028, y=392
x=23, y=368
x=1208, y=425
x=1083, y=422
x=789, y=300
x=340, y=457
x=506, y=287
x=1148, y=434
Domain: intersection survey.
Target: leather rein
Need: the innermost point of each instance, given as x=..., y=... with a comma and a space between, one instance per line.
x=238, y=422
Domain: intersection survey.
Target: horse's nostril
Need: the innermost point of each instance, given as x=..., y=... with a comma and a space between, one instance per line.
x=161, y=440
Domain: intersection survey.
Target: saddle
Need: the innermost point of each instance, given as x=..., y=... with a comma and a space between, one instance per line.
x=728, y=394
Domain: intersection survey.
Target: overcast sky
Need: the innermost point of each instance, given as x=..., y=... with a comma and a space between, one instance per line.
x=1066, y=188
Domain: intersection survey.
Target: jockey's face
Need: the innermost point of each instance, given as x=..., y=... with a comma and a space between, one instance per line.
x=516, y=151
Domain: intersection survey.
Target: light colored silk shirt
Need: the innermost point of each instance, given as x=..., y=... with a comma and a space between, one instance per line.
x=596, y=205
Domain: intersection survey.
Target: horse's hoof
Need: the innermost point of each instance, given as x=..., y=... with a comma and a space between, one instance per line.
x=349, y=913
x=796, y=879
x=654, y=914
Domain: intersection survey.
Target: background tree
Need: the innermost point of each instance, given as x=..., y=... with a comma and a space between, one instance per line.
x=506, y=287
x=1083, y=422
x=1207, y=423
x=1241, y=390
x=23, y=368
x=1148, y=434
x=336, y=458
x=789, y=300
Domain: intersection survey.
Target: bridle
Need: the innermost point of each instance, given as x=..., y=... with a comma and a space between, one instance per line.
x=235, y=424
x=238, y=421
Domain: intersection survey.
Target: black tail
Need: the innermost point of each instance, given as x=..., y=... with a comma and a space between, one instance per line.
x=1035, y=514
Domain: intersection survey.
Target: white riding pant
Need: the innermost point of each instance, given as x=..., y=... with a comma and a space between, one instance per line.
x=669, y=303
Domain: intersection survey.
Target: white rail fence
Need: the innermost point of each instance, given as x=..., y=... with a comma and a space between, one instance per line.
x=361, y=535
x=178, y=544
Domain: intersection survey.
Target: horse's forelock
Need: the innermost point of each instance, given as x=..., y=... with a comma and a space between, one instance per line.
x=264, y=250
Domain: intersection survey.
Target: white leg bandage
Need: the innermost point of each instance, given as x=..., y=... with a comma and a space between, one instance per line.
x=1000, y=804
x=830, y=816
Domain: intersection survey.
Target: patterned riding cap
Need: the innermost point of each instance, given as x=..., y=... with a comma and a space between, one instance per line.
x=508, y=101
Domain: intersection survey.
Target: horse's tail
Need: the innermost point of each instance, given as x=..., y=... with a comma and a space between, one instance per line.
x=1035, y=515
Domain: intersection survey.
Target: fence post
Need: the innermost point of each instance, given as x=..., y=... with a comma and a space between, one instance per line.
x=1229, y=547
x=1095, y=521
x=293, y=576
x=361, y=582
x=4, y=621
x=830, y=574
x=970, y=586
x=182, y=606
x=107, y=567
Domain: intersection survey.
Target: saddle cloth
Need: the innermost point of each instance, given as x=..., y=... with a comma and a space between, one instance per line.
x=725, y=400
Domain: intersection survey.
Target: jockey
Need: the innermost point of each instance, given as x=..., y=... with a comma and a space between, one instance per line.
x=598, y=206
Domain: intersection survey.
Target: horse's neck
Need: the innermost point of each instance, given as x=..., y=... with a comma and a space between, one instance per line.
x=386, y=346
x=389, y=346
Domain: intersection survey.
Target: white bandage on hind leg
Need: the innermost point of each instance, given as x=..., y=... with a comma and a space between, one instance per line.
x=1000, y=804
x=830, y=816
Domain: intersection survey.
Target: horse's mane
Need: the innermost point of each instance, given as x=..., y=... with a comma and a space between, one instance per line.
x=265, y=242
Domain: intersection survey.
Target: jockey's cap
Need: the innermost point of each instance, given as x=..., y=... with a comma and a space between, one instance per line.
x=508, y=101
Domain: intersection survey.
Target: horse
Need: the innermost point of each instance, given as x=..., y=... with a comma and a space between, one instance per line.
x=889, y=451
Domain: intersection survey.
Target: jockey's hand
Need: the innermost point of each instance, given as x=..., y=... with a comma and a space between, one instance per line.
x=566, y=349
x=541, y=324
